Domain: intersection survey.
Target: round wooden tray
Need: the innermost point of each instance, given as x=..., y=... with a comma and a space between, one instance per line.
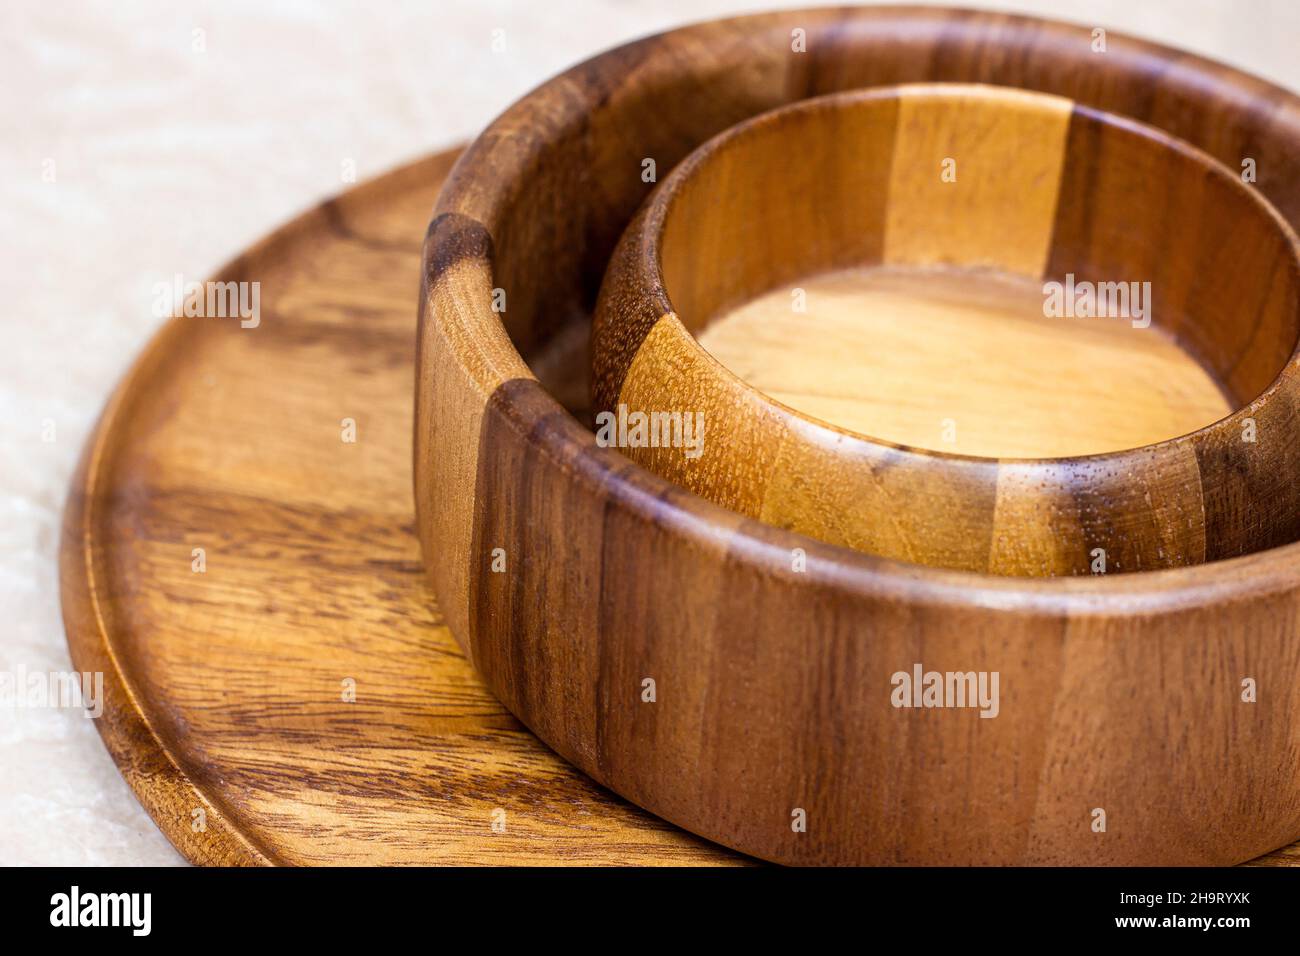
x=225, y=689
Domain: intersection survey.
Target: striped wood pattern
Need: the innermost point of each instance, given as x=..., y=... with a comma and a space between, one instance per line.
x=773, y=684
x=773, y=190
x=223, y=689
x=309, y=579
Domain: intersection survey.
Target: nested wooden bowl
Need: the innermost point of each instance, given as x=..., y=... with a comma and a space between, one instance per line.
x=978, y=186
x=1147, y=718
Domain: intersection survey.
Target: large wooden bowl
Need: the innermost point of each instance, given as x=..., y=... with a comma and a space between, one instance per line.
x=1175, y=244
x=1150, y=718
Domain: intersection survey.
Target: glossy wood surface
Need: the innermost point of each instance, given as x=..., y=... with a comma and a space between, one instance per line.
x=772, y=653
x=225, y=690
x=220, y=688
x=967, y=181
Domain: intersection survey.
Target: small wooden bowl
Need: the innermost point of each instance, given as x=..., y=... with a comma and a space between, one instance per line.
x=987, y=184
x=736, y=678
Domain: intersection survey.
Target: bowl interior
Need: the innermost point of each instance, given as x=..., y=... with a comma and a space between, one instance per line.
x=979, y=270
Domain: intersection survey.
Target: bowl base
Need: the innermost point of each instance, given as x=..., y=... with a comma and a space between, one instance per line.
x=965, y=362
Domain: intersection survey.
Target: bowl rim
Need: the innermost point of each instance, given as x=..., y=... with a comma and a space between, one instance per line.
x=650, y=225
x=1247, y=577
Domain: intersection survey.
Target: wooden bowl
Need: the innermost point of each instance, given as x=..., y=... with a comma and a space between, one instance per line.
x=736, y=678
x=984, y=188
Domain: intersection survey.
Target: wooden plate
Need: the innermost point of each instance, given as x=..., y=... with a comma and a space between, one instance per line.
x=224, y=689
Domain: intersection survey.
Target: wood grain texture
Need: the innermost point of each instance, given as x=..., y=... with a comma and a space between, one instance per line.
x=896, y=353
x=224, y=689
x=974, y=178
x=993, y=203
x=1120, y=693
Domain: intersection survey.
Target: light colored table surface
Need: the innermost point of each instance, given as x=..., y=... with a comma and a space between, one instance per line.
x=169, y=151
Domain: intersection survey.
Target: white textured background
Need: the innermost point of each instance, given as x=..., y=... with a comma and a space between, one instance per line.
x=169, y=160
